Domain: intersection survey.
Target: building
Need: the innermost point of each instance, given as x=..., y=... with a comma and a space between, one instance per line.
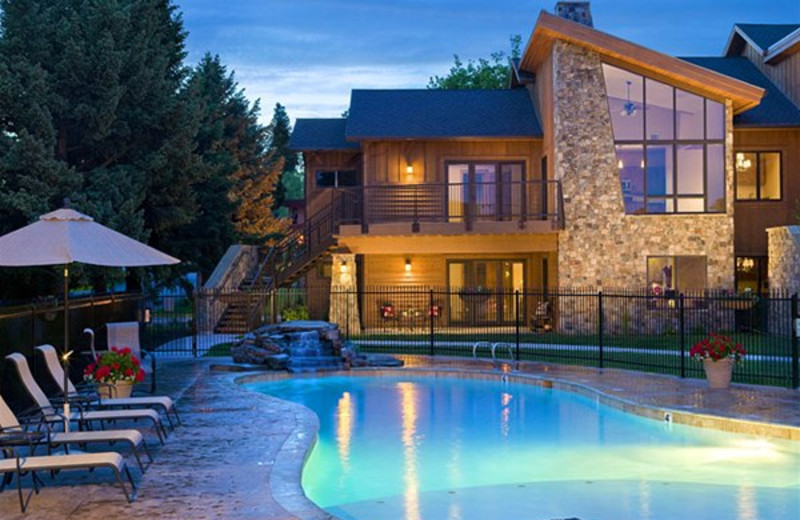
x=604, y=164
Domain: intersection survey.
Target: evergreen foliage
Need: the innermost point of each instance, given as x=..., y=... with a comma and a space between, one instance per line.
x=97, y=105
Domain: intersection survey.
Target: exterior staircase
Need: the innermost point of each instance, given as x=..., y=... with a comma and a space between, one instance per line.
x=301, y=249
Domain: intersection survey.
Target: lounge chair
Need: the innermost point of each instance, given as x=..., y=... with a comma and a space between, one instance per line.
x=134, y=438
x=57, y=373
x=19, y=465
x=126, y=334
x=83, y=417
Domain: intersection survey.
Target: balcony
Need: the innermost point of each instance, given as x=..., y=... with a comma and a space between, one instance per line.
x=457, y=208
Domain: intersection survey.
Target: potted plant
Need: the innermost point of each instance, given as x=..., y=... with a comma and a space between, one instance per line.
x=719, y=354
x=115, y=372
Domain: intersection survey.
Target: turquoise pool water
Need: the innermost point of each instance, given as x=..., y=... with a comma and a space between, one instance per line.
x=425, y=448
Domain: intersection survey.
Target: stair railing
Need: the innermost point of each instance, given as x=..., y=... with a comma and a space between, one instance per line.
x=304, y=245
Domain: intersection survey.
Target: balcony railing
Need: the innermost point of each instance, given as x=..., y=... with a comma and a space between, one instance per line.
x=465, y=203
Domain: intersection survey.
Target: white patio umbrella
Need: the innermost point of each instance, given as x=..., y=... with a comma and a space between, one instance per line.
x=65, y=236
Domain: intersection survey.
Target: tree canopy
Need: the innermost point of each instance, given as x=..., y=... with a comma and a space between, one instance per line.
x=479, y=74
x=96, y=104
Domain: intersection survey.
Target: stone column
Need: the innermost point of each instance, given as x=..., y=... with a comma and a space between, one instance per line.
x=344, y=303
x=784, y=258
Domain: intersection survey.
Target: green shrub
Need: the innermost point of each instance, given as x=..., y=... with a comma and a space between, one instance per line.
x=298, y=312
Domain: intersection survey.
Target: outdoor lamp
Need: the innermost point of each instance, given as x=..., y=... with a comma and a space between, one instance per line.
x=344, y=268
x=410, y=170
x=408, y=265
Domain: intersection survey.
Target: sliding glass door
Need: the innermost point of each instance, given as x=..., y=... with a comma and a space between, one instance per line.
x=484, y=190
x=482, y=291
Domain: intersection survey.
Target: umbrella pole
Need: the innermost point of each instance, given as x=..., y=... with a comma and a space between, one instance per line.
x=65, y=356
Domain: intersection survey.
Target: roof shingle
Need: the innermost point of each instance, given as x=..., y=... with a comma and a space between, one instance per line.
x=765, y=35
x=432, y=114
x=775, y=108
x=320, y=134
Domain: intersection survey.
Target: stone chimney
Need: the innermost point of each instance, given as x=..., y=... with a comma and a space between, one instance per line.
x=575, y=11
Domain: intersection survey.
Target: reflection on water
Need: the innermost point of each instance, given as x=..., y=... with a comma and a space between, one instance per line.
x=344, y=429
x=408, y=410
x=505, y=412
x=406, y=441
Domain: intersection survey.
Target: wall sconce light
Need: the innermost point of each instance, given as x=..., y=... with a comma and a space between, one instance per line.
x=409, y=170
x=408, y=265
x=344, y=268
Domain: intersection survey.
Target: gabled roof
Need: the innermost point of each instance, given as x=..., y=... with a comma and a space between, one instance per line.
x=760, y=35
x=441, y=114
x=617, y=51
x=320, y=134
x=775, y=108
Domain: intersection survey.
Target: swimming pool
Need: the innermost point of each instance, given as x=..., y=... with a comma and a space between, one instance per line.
x=425, y=448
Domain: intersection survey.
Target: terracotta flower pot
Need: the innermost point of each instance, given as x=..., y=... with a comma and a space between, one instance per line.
x=719, y=373
x=115, y=390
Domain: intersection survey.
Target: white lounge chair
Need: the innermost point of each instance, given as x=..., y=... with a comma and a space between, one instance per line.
x=81, y=416
x=21, y=465
x=133, y=438
x=126, y=334
x=56, y=371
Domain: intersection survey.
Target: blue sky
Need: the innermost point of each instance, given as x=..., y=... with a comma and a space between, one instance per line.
x=309, y=54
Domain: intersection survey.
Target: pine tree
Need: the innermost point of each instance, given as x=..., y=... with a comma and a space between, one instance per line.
x=281, y=131
x=90, y=107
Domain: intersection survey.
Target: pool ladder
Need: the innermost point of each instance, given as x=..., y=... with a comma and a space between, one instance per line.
x=493, y=347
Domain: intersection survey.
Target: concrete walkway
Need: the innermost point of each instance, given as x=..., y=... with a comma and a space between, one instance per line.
x=239, y=454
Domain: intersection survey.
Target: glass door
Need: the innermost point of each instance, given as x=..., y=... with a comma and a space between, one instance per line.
x=482, y=291
x=457, y=192
x=484, y=178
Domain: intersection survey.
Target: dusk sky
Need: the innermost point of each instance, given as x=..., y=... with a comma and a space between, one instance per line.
x=309, y=54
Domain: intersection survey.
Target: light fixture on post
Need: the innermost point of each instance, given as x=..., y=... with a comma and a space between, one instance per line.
x=629, y=108
x=408, y=265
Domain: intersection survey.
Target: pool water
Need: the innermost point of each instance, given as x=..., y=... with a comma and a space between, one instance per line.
x=425, y=448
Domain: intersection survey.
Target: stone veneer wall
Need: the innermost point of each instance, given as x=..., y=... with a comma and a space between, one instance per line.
x=601, y=246
x=343, y=309
x=784, y=258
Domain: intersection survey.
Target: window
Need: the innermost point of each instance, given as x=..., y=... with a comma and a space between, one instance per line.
x=669, y=275
x=758, y=175
x=485, y=190
x=751, y=274
x=483, y=290
x=336, y=178
x=670, y=145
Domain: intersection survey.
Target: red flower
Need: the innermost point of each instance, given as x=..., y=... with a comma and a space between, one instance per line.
x=125, y=351
x=89, y=369
x=128, y=372
x=114, y=349
x=103, y=372
x=135, y=361
x=115, y=366
x=140, y=376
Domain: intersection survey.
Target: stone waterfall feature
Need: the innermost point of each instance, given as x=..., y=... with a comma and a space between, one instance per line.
x=303, y=346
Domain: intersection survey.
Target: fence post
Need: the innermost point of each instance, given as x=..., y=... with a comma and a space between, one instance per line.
x=795, y=349
x=682, y=330
x=272, y=304
x=600, y=361
x=194, y=324
x=516, y=322
x=347, y=316
x=431, y=318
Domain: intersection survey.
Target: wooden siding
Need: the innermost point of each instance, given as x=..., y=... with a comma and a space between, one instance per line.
x=385, y=161
x=543, y=96
x=751, y=219
x=316, y=197
x=785, y=74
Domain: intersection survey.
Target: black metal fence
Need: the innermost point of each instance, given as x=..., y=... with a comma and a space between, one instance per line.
x=627, y=329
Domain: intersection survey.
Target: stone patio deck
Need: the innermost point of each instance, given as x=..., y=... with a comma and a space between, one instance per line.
x=239, y=454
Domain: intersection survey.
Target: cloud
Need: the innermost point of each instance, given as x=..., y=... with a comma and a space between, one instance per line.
x=323, y=90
